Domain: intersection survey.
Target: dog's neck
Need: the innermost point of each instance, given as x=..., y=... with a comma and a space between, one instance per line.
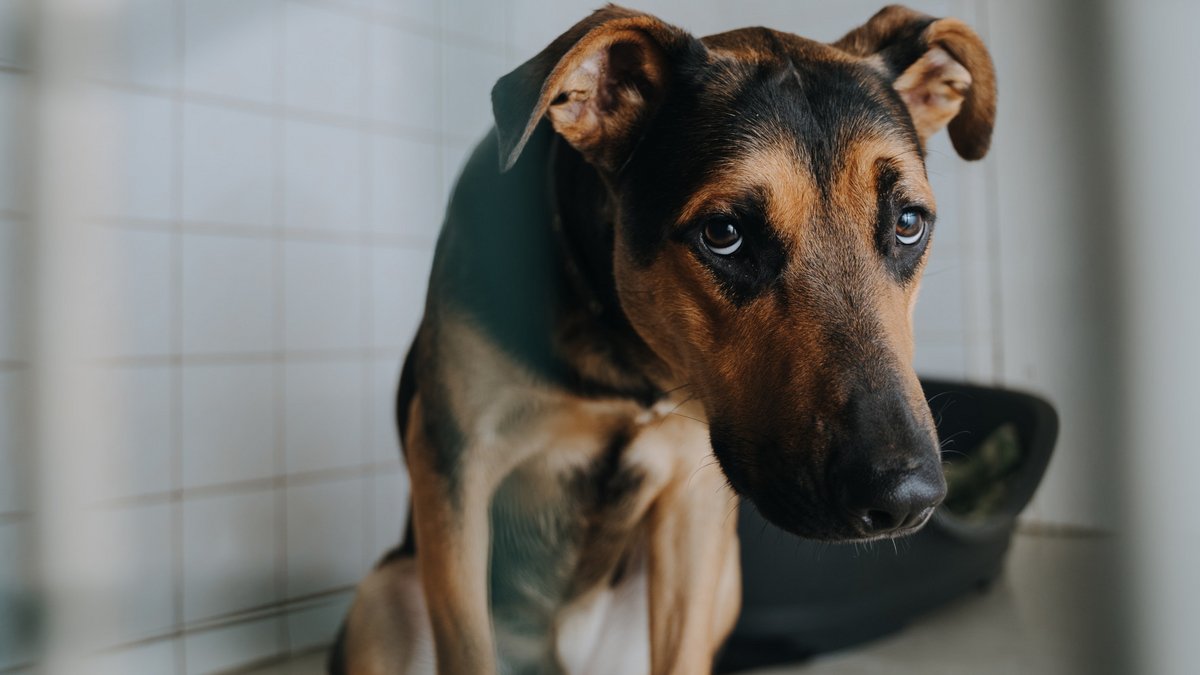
x=527, y=256
x=583, y=222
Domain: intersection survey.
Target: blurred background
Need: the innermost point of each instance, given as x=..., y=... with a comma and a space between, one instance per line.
x=216, y=220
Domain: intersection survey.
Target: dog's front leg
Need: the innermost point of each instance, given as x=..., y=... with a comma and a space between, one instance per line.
x=450, y=515
x=694, y=575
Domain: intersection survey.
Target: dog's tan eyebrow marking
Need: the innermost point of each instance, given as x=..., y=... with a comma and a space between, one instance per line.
x=773, y=170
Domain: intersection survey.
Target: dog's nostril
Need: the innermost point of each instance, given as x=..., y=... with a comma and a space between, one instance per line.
x=878, y=520
x=887, y=504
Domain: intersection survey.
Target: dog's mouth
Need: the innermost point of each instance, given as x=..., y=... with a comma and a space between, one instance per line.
x=823, y=521
x=867, y=531
x=840, y=506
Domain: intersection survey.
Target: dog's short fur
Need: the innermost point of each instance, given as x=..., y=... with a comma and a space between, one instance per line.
x=589, y=343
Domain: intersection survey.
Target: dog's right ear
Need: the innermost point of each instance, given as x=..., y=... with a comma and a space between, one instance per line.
x=940, y=68
x=599, y=83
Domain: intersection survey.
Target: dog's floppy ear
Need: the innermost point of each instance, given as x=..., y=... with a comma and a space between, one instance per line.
x=598, y=82
x=940, y=68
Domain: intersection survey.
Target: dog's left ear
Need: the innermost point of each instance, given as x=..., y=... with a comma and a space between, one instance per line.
x=940, y=68
x=599, y=83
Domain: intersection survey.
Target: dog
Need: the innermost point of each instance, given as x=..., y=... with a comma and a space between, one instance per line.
x=678, y=272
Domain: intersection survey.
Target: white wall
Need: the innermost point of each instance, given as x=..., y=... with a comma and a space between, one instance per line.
x=274, y=173
x=1156, y=100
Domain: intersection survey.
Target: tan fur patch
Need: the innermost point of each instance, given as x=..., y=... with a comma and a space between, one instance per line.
x=773, y=168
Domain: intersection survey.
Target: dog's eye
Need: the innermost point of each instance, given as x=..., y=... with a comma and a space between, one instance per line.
x=910, y=226
x=722, y=237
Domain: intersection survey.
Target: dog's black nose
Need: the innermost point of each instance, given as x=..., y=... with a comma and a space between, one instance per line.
x=886, y=502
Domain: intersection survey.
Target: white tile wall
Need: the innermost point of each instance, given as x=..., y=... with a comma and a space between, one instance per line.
x=406, y=83
x=399, y=278
x=311, y=627
x=231, y=48
x=138, y=285
x=14, y=142
x=227, y=165
x=323, y=59
x=479, y=22
x=279, y=173
x=140, y=453
x=229, y=553
x=228, y=294
x=467, y=105
x=383, y=437
x=425, y=14
x=454, y=155
x=229, y=647
x=143, y=45
x=533, y=24
x=323, y=181
x=228, y=424
x=17, y=606
x=406, y=186
x=138, y=570
x=15, y=40
x=14, y=442
x=323, y=296
x=323, y=416
x=390, y=509
x=14, y=290
x=325, y=535
x=154, y=657
x=142, y=149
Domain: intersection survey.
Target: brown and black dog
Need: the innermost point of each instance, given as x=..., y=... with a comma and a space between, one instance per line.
x=669, y=249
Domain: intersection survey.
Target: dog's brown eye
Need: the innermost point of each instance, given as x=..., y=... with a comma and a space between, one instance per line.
x=910, y=226
x=722, y=237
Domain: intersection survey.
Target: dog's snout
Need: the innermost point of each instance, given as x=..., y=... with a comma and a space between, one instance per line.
x=885, y=502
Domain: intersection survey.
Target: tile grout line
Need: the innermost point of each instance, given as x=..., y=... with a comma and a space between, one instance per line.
x=348, y=122
x=440, y=107
x=245, y=358
x=179, y=648
x=414, y=26
x=367, y=251
x=299, y=479
x=975, y=311
x=221, y=621
x=279, y=225
x=995, y=261
x=416, y=242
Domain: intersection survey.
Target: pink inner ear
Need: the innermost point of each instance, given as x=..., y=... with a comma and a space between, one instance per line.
x=933, y=88
x=603, y=93
x=574, y=112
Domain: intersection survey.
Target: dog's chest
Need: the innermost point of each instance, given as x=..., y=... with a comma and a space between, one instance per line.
x=567, y=519
x=560, y=524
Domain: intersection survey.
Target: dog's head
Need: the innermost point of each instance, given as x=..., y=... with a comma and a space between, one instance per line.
x=773, y=217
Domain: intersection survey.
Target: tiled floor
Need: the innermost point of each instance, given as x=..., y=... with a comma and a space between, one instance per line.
x=1050, y=614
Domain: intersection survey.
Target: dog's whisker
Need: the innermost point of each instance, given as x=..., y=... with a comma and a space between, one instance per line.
x=929, y=401
x=950, y=439
x=672, y=390
x=689, y=417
